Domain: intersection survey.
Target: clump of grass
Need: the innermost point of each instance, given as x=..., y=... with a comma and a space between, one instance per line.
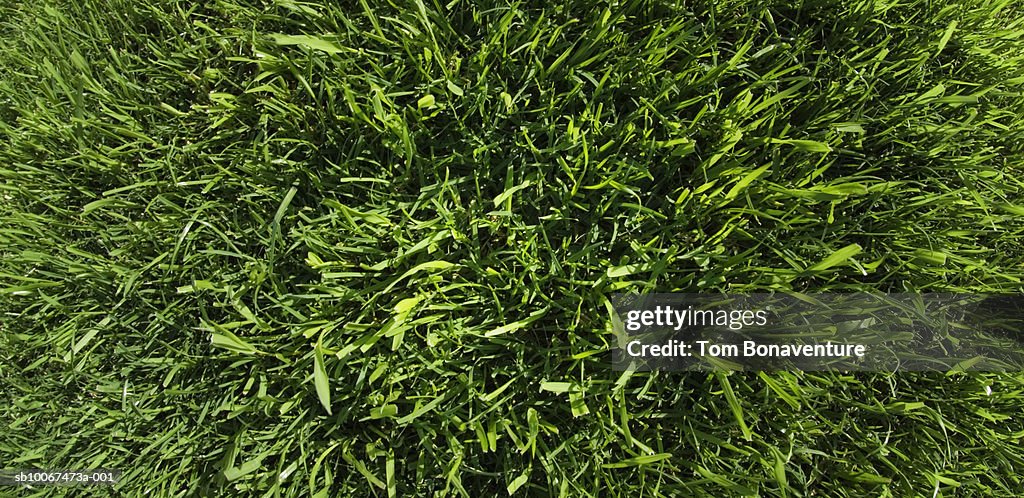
x=292, y=249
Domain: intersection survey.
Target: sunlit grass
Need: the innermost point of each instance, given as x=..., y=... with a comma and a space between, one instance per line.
x=293, y=249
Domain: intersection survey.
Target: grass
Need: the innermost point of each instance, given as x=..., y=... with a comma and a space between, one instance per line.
x=292, y=249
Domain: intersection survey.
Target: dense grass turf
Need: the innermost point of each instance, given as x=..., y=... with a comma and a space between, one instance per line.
x=291, y=249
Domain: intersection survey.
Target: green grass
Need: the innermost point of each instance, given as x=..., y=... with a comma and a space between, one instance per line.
x=291, y=249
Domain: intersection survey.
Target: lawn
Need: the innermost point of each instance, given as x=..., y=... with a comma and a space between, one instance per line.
x=289, y=249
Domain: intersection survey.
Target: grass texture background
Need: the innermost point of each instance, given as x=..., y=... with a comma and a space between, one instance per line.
x=284, y=248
